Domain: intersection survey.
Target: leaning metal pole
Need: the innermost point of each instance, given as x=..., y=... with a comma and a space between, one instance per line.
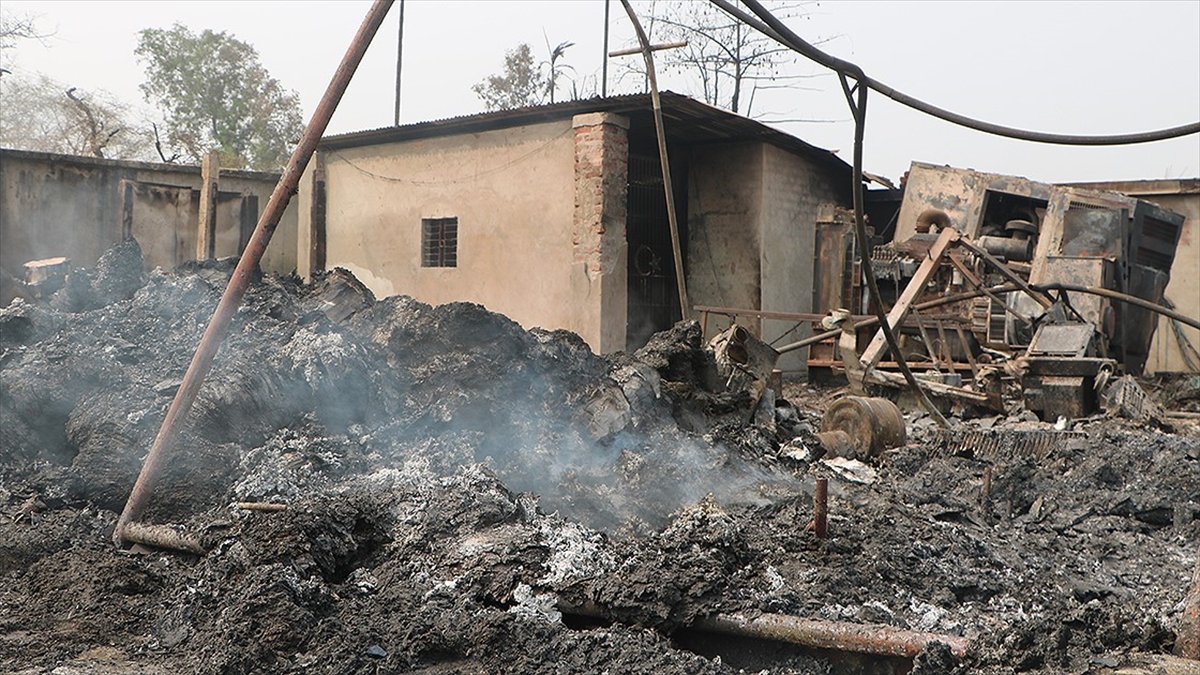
x=668, y=189
x=219, y=324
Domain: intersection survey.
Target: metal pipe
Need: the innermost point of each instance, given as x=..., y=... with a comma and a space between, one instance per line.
x=161, y=536
x=604, y=61
x=185, y=396
x=1005, y=288
x=648, y=55
x=821, y=508
x=654, y=48
x=399, y=62
x=851, y=637
x=859, y=638
x=1122, y=297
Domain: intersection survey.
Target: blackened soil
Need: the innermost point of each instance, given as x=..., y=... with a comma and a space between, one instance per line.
x=455, y=484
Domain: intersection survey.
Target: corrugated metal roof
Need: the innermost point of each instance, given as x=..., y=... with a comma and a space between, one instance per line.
x=685, y=120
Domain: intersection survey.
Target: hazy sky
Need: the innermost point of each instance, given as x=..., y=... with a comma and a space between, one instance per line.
x=1082, y=67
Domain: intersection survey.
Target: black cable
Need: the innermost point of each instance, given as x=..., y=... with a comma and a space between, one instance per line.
x=775, y=29
x=859, y=110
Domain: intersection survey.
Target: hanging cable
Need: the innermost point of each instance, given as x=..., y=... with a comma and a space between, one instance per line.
x=772, y=27
x=859, y=110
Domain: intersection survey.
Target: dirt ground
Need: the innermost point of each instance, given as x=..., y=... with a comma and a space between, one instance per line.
x=465, y=496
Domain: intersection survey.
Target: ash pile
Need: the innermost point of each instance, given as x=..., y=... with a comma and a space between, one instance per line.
x=386, y=486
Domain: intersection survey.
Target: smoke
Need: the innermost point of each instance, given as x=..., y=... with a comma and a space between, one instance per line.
x=297, y=401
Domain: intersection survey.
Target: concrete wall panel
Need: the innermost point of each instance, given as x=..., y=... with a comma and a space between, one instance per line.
x=513, y=193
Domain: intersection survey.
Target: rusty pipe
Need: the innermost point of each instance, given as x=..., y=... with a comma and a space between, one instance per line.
x=860, y=638
x=821, y=508
x=161, y=536
x=201, y=362
x=851, y=637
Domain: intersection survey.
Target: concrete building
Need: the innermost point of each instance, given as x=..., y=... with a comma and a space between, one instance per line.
x=556, y=215
x=61, y=205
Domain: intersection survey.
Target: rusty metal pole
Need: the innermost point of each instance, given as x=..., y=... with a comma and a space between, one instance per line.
x=859, y=638
x=219, y=324
x=850, y=637
x=821, y=508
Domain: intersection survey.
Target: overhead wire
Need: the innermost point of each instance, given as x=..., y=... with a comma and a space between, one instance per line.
x=770, y=26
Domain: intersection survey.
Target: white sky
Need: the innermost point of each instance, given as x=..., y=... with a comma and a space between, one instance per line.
x=1083, y=67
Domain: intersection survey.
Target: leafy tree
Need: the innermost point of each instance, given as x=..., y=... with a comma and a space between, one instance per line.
x=520, y=85
x=216, y=94
x=47, y=116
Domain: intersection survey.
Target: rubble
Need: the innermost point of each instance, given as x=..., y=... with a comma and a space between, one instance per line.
x=387, y=486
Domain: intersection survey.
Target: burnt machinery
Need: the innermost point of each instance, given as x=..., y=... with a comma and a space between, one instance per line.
x=961, y=231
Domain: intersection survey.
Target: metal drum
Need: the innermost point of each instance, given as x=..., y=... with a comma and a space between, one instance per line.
x=858, y=427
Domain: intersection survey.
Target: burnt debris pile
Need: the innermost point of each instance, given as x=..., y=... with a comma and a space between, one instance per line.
x=388, y=486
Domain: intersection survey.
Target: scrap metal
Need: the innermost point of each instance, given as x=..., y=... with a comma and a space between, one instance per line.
x=1082, y=273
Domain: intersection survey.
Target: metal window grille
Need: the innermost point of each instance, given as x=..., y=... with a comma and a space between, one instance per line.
x=439, y=242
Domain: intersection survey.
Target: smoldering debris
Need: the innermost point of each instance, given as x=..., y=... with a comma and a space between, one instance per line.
x=463, y=495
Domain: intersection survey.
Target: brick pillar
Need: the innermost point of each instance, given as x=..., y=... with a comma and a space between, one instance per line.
x=598, y=233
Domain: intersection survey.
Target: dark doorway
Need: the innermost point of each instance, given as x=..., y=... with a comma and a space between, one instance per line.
x=653, y=301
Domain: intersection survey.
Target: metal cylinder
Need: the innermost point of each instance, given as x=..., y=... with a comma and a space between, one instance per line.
x=821, y=508
x=1009, y=248
x=872, y=424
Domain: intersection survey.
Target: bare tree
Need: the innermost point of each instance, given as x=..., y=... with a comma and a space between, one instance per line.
x=725, y=60
x=44, y=115
x=14, y=28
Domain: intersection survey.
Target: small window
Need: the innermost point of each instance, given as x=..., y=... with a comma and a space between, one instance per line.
x=439, y=242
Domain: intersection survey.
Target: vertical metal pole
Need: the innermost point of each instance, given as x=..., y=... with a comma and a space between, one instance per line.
x=668, y=189
x=238, y=283
x=821, y=508
x=399, y=62
x=604, y=63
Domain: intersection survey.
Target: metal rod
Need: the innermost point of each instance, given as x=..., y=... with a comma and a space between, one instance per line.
x=1005, y=288
x=851, y=637
x=161, y=536
x=185, y=396
x=654, y=48
x=966, y=346
x=1003, y=269
x=604, y=61
x=261, y=506
x=978, y=283
x=859, y=638
x=821, y=508
x=399, y=62
x=647, y=54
